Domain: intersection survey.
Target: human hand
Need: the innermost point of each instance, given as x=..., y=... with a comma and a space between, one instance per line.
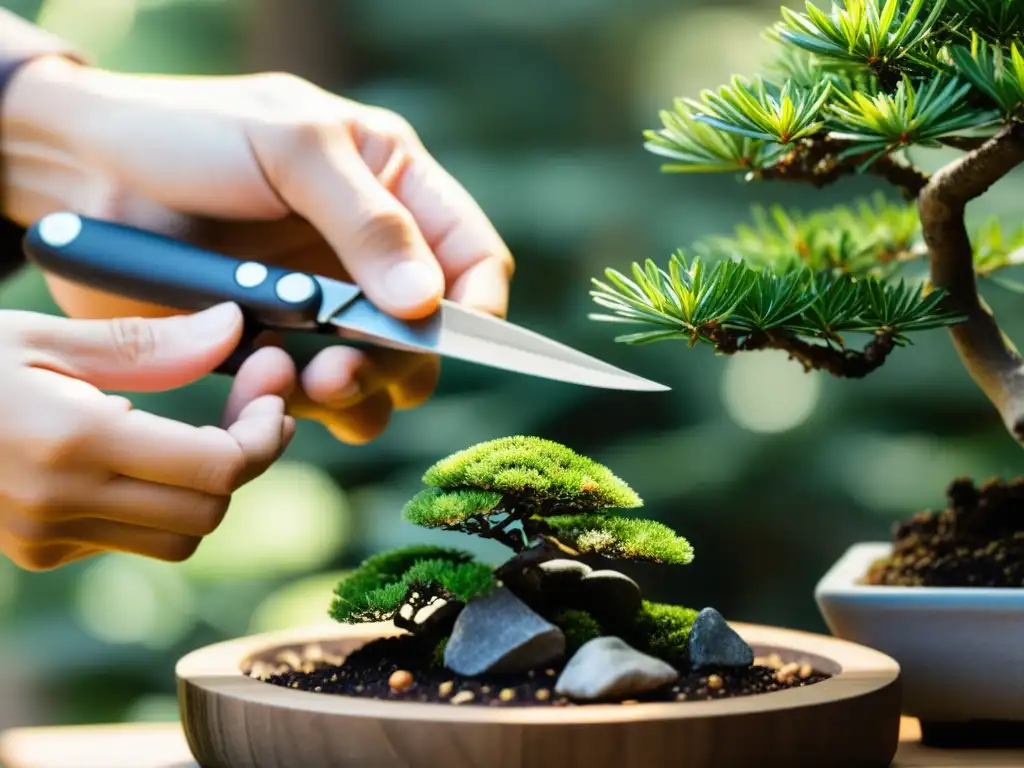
x=82, y=471
x=272, y=168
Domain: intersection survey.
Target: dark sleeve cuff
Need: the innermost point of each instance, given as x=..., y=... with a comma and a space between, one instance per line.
x=21, y=42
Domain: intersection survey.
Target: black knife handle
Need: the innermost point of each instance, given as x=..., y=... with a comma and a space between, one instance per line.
x=148, y=267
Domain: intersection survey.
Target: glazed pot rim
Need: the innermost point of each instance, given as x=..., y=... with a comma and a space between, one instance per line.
x=219, y=669
x=842, y=584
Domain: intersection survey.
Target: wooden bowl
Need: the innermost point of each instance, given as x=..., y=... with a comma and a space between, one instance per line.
x=234, y=721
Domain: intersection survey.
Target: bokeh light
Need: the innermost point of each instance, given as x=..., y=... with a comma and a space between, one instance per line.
x=293, y=519
x=300, y=603
x=767, y=392
x=127, y=599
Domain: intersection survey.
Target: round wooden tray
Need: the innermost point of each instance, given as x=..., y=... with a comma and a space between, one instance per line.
x=234, y=721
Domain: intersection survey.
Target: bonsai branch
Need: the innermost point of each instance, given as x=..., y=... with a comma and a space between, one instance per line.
x=842, y=363
x=815, y=161
x=989, y=356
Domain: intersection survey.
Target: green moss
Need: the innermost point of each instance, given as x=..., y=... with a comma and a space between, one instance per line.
x=375, y=590
x=533, y=468
x=579, y=628
x=463, y=581
x=662, y=630
x=622, y=538
x=437, y=508
x=437, y=655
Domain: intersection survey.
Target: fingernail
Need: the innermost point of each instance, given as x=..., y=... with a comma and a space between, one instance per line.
x=410, y=284
x=217, y=319
x=287, y=430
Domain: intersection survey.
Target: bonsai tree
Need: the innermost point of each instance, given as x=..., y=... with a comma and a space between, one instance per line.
x=852, y=90
x=544, y=502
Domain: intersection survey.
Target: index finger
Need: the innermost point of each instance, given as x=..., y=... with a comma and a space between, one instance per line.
x=477, y=263
x=206, y=459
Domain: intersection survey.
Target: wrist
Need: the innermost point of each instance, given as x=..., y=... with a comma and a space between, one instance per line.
x=47, y=104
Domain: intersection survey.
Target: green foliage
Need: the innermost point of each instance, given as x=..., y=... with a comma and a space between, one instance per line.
x=662, y=630
x=458, y=581
x=438, y=508
x=622, y=538
x=998, y=21
x=997, y=73
x=379, y=586
x=534, y=469
x=694, y=146
x=437, y=655
x=761, y=111
x=870, y=237
x=731, y=301
x=923, y=115
x=579, y=628
x=863, y=31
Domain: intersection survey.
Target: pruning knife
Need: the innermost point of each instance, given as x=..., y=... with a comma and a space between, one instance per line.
x=148, y=267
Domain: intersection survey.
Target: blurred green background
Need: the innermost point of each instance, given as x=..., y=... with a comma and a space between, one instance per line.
x=537, y=107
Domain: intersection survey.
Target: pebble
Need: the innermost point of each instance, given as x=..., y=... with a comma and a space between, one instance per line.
x=499, y=633
x=713, y=643
x=610, y=596
x=542, y=694
x=507, y=694
x=401, y=680
x=608, y=668
x=787, y=673
x=715, y=682
x=462, y=697
x=445, y=688
x=806, y=671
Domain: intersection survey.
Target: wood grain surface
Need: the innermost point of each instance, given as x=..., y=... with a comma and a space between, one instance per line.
x=234, y=721
x=163, y=745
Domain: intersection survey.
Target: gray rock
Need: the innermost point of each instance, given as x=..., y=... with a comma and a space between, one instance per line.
x=563, y=570
x=713, y=643
x=499, y=633
x=610, y=595
x=607, y=668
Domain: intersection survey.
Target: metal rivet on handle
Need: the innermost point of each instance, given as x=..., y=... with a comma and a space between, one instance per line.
x=295, y=288
x=250, y=274
x=59, y=229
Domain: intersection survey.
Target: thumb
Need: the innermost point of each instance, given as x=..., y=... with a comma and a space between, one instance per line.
x=134, y=353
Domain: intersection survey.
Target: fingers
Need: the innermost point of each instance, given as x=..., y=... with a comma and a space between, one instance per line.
x=321, y=175
x=476, y=262
x=215, y=461
x=356, y=425
x=268, y=371
x=133, y=353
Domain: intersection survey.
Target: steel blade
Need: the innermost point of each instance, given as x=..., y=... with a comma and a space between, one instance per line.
x=464, y=334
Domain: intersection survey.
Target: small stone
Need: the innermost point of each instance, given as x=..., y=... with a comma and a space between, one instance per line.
x=610, y=596
x=550, y=672
x=628, y=702
x=507, y=694
x=445, y=689
x=713, y=643
x=499, y=633
x=318, y=689
x=290, y=659
x=563, y=569
x=401, y=680
x=806, y=671
x=715, y=682
x=462, y=697
x=775, y=661
x=542, y=694
x=787, y=673
x=608, y=668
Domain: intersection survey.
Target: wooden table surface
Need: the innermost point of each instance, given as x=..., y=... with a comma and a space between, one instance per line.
x=163, y=746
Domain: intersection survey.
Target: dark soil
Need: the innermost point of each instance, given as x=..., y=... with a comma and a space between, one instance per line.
x=977, y=541
x=366, y=673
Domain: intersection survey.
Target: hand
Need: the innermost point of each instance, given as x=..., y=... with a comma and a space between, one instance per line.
x=82, y=472
x=268, y=167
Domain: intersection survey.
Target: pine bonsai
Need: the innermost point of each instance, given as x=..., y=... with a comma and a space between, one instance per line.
x=852, y=90
x=535, y=496
x=544, y=627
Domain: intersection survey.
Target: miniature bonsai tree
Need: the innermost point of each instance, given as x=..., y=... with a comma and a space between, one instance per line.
x=541, y=500
x=852, y=90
